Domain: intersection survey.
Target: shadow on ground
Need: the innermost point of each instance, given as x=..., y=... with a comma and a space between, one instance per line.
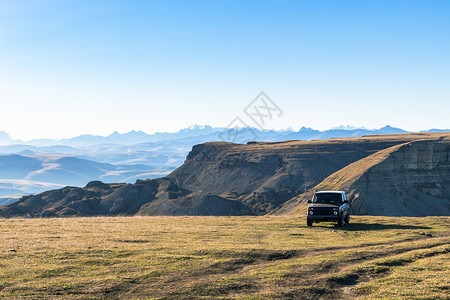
x=372, y=226
x=365, y=227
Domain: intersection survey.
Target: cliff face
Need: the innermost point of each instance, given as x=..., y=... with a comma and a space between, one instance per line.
x=410, y=179
x=221, y=178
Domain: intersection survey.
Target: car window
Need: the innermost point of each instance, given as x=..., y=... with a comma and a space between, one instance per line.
x=328, y=198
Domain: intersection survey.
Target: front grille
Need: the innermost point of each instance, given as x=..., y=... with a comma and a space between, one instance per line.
x=323, y=211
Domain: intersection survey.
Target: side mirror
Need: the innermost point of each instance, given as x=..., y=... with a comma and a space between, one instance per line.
x=309, y=201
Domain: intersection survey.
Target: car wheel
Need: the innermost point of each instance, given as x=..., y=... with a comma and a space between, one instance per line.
x=309, y=222
x=341, y=221
x=347, y=219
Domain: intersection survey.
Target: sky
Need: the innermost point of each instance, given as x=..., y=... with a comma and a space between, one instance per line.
x=77, y=67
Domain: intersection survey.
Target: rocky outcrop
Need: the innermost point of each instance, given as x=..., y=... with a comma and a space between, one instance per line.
x=378, y=172
x=145, y=197
x=94, y=199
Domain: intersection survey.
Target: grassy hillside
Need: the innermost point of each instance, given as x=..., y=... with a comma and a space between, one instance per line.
x=272, y=257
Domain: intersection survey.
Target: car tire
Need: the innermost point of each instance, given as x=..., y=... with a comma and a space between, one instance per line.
x=341, y=221
x=309, y=222
x=347, y=219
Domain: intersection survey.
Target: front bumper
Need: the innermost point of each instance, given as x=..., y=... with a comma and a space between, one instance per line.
x=323, y=218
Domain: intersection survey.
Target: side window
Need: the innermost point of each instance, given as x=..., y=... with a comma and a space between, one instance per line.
x=344, y=197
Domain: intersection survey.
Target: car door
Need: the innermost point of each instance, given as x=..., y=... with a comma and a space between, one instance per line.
x=346, y=206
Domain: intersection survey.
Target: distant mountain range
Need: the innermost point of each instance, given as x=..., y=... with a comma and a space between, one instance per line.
x=38, y=165
x=207, y=133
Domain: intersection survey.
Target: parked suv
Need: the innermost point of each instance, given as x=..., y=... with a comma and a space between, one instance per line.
x=328, y=206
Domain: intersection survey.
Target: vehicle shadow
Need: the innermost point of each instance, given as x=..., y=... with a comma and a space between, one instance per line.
x=376, y=226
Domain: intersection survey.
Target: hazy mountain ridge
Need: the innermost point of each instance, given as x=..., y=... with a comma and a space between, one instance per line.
x=208, y=133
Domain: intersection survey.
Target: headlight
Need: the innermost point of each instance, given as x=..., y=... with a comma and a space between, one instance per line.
x=336, y=212
x=311, y=212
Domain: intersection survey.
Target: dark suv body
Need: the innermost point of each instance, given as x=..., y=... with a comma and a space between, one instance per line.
x=328, y=206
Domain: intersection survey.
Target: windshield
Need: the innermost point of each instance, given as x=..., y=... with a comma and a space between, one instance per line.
x=328, y=198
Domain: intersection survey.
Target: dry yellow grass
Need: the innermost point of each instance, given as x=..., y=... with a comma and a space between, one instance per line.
x=224, y=257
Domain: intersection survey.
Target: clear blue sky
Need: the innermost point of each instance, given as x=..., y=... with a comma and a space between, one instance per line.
x=73, y=67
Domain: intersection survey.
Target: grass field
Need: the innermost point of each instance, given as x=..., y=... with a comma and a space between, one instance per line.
x=224, y=257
